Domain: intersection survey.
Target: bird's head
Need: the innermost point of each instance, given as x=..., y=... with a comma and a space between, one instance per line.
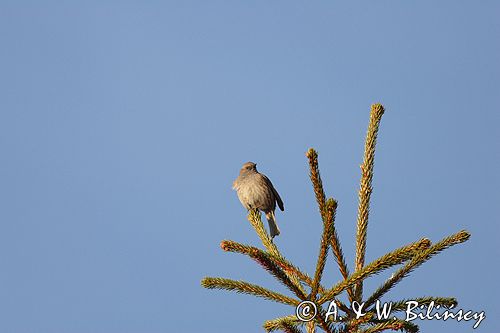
x=249, y=166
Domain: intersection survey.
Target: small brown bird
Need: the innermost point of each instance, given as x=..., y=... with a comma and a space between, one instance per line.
x=256, y=191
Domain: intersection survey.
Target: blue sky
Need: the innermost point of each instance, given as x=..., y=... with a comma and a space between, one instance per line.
x=123, y=125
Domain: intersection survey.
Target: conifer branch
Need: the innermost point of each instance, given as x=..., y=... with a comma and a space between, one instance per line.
x=391, y=324
x=395, y=257
x=247, y=288
x=365, y=190
x=279, y=267
x=290, y=328
x=289, y=324
x=418, y=260
x=272, y=268
x=330, y=207
x=311, y=327
x=279, y=323
x=288, y=267
x=398, y=256
x=256, y=221
x=275, y=324
x=284, y=264
x=315, y=176
x=312, y=155
x=339, y=258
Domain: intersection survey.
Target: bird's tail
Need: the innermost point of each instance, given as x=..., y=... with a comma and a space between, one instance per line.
x=273, y=227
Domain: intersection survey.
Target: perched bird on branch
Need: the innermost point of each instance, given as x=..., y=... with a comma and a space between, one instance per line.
x=256, y=192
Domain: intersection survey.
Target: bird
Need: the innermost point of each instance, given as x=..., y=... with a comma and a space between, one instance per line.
x=256, y=192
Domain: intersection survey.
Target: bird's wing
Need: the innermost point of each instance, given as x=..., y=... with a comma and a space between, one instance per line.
x=276, y=195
